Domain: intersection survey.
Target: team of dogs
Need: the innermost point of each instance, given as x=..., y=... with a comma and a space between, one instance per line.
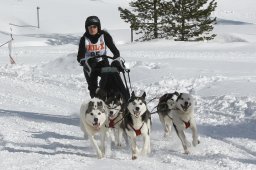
x=112, y=115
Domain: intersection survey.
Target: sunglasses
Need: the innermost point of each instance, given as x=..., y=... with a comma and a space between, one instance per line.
x=92, y=26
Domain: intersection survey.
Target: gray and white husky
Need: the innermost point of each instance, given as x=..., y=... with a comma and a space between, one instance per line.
x=138, y=122
x=183, y=118
x=116, y=108
x=93, y=116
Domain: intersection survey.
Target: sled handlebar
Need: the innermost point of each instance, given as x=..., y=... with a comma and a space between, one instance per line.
x=103, y=57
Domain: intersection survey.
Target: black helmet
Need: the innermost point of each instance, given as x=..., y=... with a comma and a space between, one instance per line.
x=92, y=20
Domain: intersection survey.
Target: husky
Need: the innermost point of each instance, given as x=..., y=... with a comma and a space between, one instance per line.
x=116, y=108
x=93, y=116
x=183, y=119
x=165, y=105
x=138, y=122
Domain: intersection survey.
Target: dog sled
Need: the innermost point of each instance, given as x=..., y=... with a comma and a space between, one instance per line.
x=110, y=75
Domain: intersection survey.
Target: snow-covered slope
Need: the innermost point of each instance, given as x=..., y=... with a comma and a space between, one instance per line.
x=40, y=96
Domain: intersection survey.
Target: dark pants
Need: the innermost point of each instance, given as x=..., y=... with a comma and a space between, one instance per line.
x=92, y=79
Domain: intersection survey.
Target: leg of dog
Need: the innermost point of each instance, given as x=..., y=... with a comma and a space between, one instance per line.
x=168, y=123
x=146, y=145
x=194, y=134
x=125, y=136
x=119, y=136
x=103, y=148
x=116, y=136
x=94, y=142
x=183, y=139
x=134, y=147
x=162, y=120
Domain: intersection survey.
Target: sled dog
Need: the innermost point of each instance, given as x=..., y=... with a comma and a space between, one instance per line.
x=166, y=103
x=138, y=122
x=93, y=116
x=116, y=108
x=183, y=118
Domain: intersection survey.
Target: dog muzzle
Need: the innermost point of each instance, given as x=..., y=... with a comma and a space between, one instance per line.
x=136, y=113
x=185, y=107
x=96, y=125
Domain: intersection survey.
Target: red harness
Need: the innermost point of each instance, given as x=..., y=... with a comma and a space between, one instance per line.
x=112, y=122
x=137, y=131
x=187, y=124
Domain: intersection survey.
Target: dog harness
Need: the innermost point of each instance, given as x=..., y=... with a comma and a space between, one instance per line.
x=112, y=122
x=137, y=131
x=187, y=124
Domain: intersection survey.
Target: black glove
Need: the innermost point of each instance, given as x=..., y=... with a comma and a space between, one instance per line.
x=117, y=64
x=82, y=63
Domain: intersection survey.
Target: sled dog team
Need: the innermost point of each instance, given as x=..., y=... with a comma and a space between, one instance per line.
x=119, y=119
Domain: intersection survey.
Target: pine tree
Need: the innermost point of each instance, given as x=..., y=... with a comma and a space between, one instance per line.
x=189, y=20
x=145, y=18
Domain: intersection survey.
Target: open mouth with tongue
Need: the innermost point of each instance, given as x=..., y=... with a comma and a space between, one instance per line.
x=96, y=125
x=185, y=107
x=136, y=113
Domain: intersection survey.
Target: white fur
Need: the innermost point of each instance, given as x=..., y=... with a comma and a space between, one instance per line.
x=87, y=124
x=185, y=114
x=137, y=108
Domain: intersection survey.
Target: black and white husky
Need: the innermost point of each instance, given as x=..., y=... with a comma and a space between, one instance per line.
x=116, y=108
x=93, y=116
x=183, y=118
x=166, y=103
x=138, y=122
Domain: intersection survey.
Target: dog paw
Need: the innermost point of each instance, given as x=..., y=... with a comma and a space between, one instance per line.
x=166, y=135
x=134, y=157
x=195, y=142
x=186, y=152
x=100, y=156
x=144, y=152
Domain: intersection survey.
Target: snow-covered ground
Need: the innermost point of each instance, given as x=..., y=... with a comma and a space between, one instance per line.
x=40, y=96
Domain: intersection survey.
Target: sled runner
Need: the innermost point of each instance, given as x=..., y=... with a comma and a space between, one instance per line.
x=111, y=81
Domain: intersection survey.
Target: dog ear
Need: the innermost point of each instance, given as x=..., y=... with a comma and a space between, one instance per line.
x=144, y=95
x=179, y=96
x=99, y=104
x=133, y=94
x=118, y=95
x=90, y=107
x=101, y=94
x=176, y=93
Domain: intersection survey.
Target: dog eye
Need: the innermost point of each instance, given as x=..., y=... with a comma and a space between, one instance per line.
x=140, y=103
x=99, y=113
x=91, y=113
x=182, y=98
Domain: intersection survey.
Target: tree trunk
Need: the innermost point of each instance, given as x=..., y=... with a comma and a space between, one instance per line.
x=155, y=20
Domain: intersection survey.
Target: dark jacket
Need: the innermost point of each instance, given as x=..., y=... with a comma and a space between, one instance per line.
x=108, y=41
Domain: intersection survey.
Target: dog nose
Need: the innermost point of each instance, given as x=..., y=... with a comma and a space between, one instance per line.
x=96, y=119
x=186, y=103
x=137, y=108
x=111, y=112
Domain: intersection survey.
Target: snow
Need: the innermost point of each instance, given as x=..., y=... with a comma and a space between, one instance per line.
x=40, y=96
